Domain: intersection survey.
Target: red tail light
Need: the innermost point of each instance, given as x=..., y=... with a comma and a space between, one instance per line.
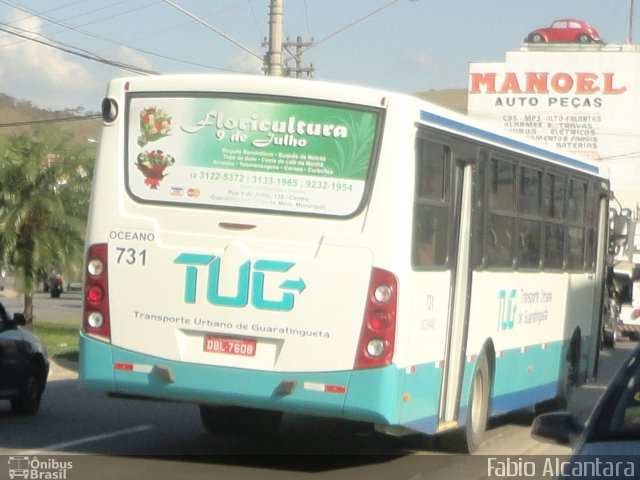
x=95, y=319
x=377, y=338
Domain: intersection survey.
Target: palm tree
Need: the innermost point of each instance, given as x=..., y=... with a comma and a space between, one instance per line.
x=43, y=206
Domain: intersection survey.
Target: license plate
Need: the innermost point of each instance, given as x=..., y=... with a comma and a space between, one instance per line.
x=231, y=346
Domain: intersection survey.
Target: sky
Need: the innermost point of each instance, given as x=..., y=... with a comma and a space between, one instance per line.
x=402, y=45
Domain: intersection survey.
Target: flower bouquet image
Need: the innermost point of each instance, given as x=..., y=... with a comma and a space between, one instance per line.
x=152, y=165
x=155, y=123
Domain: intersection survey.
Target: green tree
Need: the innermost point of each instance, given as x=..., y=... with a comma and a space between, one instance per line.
x=45, y=183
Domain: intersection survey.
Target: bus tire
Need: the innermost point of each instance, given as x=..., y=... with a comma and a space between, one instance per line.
x=570, y=378
x=478, y=407
x=239, y=420
x=568, y=382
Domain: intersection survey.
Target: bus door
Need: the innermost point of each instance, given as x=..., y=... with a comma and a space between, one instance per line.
x=442, y=231
x=459, y=293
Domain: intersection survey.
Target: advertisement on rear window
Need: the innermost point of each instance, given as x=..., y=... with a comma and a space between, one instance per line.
x=224, y=152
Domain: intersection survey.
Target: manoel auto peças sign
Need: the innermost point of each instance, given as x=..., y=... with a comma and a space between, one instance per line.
x=580, y=100
x=580, y=84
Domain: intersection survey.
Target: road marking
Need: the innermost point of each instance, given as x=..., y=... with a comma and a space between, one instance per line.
x=96, y=438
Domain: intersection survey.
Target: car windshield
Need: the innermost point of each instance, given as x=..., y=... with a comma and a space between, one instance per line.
x=620, y=417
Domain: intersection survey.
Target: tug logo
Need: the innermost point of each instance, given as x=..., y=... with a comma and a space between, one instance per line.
x=250, y=278
x=506, y=310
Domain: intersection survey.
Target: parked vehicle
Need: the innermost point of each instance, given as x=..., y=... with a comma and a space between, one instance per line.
x=24, y=365
x=612, y=432
x=566, y=30
x=610, y=313
x=624, y=280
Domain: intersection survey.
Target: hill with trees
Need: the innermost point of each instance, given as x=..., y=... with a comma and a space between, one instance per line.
x=20, y=116
x=46, y=167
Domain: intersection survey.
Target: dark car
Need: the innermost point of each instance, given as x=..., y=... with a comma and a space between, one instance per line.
x=567, y=30
x=612, y=433
x=24, y=365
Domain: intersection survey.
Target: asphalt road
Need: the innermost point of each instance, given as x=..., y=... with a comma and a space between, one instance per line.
x=151, y=439
x=67, y=307
x=105, y=437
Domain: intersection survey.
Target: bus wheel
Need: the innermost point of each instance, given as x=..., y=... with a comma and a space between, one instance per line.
x=566, y=384
x=239, y=420
x=478, y=409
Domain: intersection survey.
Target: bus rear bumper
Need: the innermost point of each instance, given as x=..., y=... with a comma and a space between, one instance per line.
x=363, y=395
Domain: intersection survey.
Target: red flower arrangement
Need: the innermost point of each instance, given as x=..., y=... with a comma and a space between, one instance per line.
x=152, y=165
x=155, y=123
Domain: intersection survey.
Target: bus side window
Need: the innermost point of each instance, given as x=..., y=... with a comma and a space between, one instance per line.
x=554, y=246
x=500, y=241
x=501, y=222
x=530, y=225
x=430, y=236
x=554, y=193
x=433, y=170
x=530, y=245
x=576, y=209
x=591, y=222
x=431, y=205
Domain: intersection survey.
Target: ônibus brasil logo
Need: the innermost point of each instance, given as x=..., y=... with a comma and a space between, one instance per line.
x=251, y=277
x=23, y=466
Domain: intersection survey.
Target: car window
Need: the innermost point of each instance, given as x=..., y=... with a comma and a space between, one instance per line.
x=622, y=419
x=559, y=25
x=627, y=413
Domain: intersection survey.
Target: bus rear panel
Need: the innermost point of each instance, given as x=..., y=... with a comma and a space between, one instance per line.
x=226, y=259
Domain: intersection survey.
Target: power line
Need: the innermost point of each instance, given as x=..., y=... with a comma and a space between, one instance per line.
x=255, y=18
x=306, y=15
x=44, y=16
x=346, y=27
x=108, y=40
x=212, y=28
x=72, y=50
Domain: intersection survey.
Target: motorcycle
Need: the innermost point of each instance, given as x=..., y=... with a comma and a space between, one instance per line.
x=56, y=285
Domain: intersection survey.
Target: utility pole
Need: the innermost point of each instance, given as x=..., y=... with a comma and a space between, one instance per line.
x=630, y=35
x=274, y=54
x=299, y=69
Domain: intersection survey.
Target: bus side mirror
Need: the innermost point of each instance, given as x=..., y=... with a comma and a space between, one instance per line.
x=619, y=226
x=562, y=428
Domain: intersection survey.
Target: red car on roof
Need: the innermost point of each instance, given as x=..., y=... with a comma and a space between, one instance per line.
x=568, y=30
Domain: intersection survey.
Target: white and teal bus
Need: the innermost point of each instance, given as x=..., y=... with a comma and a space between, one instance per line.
x=261, y=245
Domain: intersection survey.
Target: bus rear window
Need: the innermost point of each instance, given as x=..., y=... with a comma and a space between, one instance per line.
x=251, y=154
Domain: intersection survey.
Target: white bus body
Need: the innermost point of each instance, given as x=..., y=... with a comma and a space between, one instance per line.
x=299, y=246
